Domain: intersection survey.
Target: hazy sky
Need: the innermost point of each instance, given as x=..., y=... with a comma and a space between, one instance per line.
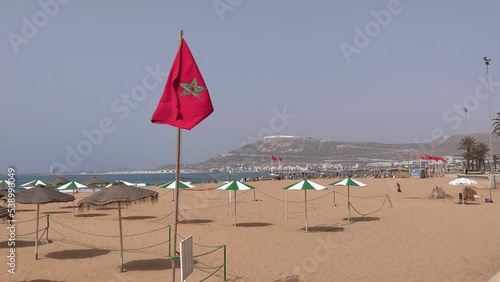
x=385, y=71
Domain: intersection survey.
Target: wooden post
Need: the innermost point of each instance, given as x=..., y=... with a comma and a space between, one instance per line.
x=176, y=191
x=121, y=235
x=37, y=226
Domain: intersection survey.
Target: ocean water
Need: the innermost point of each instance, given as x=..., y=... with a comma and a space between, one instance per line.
x=149, y=179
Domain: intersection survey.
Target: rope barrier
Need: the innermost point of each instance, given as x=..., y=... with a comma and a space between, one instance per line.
x=207, y=253
x=17, y=222
x=296, y=201
x=200, y=245
x=108, y=236
x=158, y=219
x=365, y=197
x=212, y=274
x=106, y=248
x=365, y=214
x=209, y=199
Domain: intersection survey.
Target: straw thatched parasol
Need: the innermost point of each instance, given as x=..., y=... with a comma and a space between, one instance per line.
x=59, y=181
x=41, y=195
x=94, y=181
x=118, y=195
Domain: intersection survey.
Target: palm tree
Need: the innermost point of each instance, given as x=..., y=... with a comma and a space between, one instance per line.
x=466, y=144
x=495, y=159
x=479, y=152
x=496, y=125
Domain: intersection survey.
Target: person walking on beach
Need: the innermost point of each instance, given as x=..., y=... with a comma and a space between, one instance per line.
x=399, y=187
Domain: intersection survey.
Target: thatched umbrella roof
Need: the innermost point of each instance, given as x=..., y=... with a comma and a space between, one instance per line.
x=42, y=195
x=118, y=192
x=60, y=181
x=95, y=181
x=118, y=195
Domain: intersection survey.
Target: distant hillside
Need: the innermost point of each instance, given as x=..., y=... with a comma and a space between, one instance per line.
x=306, y=150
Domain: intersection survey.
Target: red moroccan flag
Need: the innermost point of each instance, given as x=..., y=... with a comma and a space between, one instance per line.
x=185, y=101
x=273, y=158
x=279, y=158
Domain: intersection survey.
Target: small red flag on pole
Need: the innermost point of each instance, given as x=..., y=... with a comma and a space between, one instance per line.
x=273, y=158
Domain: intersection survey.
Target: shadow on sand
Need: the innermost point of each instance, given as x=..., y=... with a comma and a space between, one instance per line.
x=323, y=229
x=25, y=210
x=470, y=204
x=138, y=217
x=40, y=280
x=195, y=221
x=19, y=244
x=152, y=264
x=91, y=214
x=253, y=224
x=56, y=212
x=362, y=218
x=77, y=254
x=292, y=278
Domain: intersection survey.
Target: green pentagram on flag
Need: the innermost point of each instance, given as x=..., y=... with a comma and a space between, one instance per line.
x=192, y=88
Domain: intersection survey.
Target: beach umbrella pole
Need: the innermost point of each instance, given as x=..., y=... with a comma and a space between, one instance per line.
x=37, y=226
x=334, y=199
x=121, y=235
x=349, y=203
x=286, y=204
x=234, y=208
x=305, y=204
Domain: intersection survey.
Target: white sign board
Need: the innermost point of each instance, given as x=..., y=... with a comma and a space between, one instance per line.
x=186, y=257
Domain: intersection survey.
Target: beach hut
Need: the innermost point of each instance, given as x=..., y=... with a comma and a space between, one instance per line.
x=41, y=195
x=303, y=185
x=348, y=182
x=118, y=195
x=235, y=185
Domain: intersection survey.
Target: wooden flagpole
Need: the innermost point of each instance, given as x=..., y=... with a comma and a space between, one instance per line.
x=176, y=190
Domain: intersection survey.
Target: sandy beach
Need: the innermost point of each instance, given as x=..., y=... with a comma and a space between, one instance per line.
x=418, y=239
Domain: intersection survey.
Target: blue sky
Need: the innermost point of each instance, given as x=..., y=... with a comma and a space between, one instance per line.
x=382, y=71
